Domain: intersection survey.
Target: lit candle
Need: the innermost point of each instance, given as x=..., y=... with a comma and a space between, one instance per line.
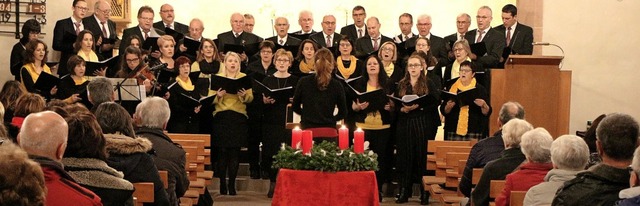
x=296, y=137
x=358, y=141
x=307, y=141
x=343, y=137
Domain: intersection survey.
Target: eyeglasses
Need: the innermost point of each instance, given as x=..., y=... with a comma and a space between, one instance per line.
x=133, y=60
x=165, y=11
x=344, y=44
x=329, y=23
x=107, y=11
x=282, y=60
x=266, y=52
x=82, y=8
x=423, y=24
x=465, y=70
x=387, y=49
x=414, y=65
x=146, y=18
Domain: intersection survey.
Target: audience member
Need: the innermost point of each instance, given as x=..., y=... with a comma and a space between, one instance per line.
x=22, y=182
x=25, y=105
x=11, y=91
x=100, y=90
x=631, y=196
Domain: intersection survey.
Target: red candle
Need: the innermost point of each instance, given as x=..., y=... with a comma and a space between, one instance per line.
x=296, y=137
x=343, y=137
x=358, y=141
x=307, y=141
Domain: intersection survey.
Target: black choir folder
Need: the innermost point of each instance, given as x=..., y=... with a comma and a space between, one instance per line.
x=150, y=44
x=412, y=99
x=46, y=82
x=193, y=102
x=248, y=49
x=462, y=98
x=280, y=94
x=109, y=63
x=376, y=98
x=192, y=45
x=346, y=80
x=231, y=86
x=479, y=49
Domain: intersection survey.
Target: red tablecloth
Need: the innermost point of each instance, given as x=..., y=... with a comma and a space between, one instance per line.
x=297, y=187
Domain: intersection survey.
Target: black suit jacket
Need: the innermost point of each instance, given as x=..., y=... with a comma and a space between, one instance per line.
x=229, y=38
x=94, y=26
x=179, y=27
x=300, y=32
x=291, y=41
x=521, y=38
x=437, y=48
x=364, y=46
x=319, y=39
x=494, y=41
x=398, y=39
x=130, y=32
x=66, y=50
x=352, y=32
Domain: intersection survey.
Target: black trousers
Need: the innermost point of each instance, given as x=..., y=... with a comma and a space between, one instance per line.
x=412, y=134
x=379, y=143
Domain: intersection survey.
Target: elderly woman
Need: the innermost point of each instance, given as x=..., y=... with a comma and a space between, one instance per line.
x=569, y=155
x=389, y=55
x=535, y=145
x=184, y=114
x=511, y=158
x=127, y=153
x=348, y=66
x=85, y=160
x=34, y=64
x=465, y=122
x=30, y=31
x=461, y=51
x=305, y=62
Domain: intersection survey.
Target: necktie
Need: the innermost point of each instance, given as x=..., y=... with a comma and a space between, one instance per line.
x=236, y=35
x=77, y=27
x=405, y=38
x=281, y=42
x=169, y=26
x=329, y=44
x=104, y=30
x=479, y=36
x=461, y=37
x=359, y=33
x=508, y=35
x=146, y=34
x=375, y=44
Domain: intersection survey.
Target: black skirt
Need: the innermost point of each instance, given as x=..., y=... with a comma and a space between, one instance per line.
x=229, y=129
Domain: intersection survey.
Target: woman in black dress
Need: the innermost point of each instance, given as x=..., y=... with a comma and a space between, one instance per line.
x=30, y=31
x=305, y=62
x=34, y=64
x=184, y=112
x=74, y=85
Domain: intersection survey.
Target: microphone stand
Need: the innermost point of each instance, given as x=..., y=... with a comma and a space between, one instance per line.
x=551, y=44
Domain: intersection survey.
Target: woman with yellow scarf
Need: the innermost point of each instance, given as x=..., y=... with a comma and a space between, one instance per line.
x=35, y=57
x=305, y=61
x=184, y=116
x=469, y=121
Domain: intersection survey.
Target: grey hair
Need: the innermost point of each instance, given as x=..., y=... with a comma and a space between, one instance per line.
x=466, y=16
x=512, y=132
x=536, y=144
x=100, y=90
x=153, y=112
x=509, y=111
x=488, y=8
x=570, y=152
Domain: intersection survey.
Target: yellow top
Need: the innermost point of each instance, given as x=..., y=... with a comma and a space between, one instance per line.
x=373, y=121
x=389, y=69
x=306, y=67
x=347, y=72
x=31, y=68
x=186, y=85
x=80, y=82
x=463, y=117
x=91, y=58
x=232, y=102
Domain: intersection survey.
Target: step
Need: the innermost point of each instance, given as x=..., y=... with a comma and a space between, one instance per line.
x=244, y=183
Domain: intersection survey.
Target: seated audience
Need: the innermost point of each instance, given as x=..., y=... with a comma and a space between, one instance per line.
x=631, y=196
x=44, y=138
x=590, y=139
x=9, y=94
x=569, y=155
x=510, y=159
x=152, y=116
x=25, y=105
x=22, y=180
x=617, y=138
x=100, y=90
x=535, y=145
x=127, y=153
x=85, y=158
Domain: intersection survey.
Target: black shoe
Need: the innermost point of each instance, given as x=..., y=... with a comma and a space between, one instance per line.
x=232, y=188
x=424, y=198
x=255, y=174
x=223, y=188
x=272, y=187
x=404, y=196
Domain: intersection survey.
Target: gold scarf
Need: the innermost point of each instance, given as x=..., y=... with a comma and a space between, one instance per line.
x=389, y=69
x=91, y=58
x=188, y=86
x=346, y=72
x=31, y=68
x=306, y=67
x=79, y=82
x=463, y=117
x=455, y=68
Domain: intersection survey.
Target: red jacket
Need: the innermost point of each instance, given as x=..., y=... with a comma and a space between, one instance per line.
x=528, y=175
x=61, y=189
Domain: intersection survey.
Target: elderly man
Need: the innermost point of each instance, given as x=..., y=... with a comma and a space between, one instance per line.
x=463, y=21
x=372, y=42
x=305, y=20
x=437, y=44
x=328, y=37
x=617, y=138
x=510, y=159
x=196, y=27
x=518, y=36
x=249, y=23
x=237, y=36
x=153, y=114
x=64, y=27
x=569, y=155
x=44, y=137
x=358, y=29
x=493, y=40
x=282, y=38
x=103, y=29
x=144, y=29
x=168, y=20
x=405, y=21
x=100, y=90
x=490, y=148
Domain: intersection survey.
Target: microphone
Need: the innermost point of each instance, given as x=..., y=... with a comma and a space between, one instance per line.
x=541, y=43
x=158, y=67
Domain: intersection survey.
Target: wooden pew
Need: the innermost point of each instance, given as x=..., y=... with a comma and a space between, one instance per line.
x=143, y=193
x=517, y=198
x=477, y=173
x=495, y=189
x=164, y=176
x=431, y=150
x=207, y=175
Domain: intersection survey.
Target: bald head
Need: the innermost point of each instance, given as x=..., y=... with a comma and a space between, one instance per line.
x=102, y=8
x=44, y=134
x=237, y=22
x=373, y=27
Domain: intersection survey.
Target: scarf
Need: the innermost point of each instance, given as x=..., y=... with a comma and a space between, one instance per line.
x=346, y=72
x=186, y=85
x=91, y=58
x=389, y=69
x=306, y=67
x=80, y=82
x=455, y=68
x=31, y=68
x=463, y=116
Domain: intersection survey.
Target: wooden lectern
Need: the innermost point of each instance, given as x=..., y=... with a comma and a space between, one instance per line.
x=539, y=85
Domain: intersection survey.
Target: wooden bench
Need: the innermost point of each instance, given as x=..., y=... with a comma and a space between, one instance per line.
x=207, y=175
x=495, y=188
x=433, y=144
x=517, y=198
x=143, y=193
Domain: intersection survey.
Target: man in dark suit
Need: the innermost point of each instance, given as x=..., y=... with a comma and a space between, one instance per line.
x=405, y=21
x=143, y=30
x=494, y=40
x=358, y=29
x=103, y=29
x=237, y=36
x=68, y=27
x=372, y=42
x=518, y=37
x=196, y=27
x=249, y=23
x=463, y=21
x=437, y=46
x=305, y=19
x=283, y=38
x=328, y=33
x=168, y=16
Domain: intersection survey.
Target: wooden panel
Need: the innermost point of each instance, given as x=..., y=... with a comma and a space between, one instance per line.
x=496, y=188
x=143, y=192
x=164, y=176
x=564, y=103
x=433, y=144
x=498, y=81
x=477, y=173
x=517, y=198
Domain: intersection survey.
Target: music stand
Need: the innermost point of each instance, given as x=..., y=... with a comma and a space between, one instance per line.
x=128, y=89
